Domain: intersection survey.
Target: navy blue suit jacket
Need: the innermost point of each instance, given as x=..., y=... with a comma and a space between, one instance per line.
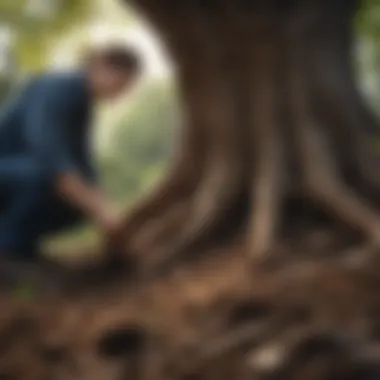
x=49, y=121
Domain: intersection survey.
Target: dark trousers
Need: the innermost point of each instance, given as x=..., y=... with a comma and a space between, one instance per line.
x=29, y=208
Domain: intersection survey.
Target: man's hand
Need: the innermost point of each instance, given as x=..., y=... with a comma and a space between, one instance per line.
x=90, y=201
x=109, y=222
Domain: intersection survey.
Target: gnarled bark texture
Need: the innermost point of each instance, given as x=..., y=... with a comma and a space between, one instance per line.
x=277, y=135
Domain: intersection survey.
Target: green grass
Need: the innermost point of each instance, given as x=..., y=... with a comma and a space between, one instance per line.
x=72, y=241
x=79, y=239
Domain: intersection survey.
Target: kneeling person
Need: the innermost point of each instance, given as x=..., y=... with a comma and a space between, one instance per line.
x=47, y=179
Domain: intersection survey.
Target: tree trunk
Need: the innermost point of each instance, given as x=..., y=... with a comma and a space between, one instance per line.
x=274, y=128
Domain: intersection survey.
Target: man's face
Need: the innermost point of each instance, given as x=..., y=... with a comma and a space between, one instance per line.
x=109, y=82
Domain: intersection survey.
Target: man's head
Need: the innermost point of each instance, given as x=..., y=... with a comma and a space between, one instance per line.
x=112, y=70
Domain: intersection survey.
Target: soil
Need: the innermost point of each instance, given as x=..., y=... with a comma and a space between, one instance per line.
x=214, y=318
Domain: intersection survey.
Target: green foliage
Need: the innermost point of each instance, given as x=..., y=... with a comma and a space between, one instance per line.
x=142, y=142
x=368, y=51
x=9, y=7
x=36, y=30
x=368, y=19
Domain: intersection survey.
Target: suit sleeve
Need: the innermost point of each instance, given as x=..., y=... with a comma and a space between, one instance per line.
x=47, y=117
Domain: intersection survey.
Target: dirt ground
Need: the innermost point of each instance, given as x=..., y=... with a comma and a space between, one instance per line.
x=218, y=318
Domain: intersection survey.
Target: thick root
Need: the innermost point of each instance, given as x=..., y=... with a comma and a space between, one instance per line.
x=266, y=200
x=160, y=231
x=179, y=184
x=212, y=202
x=267, y=186
x=342, y=109
x=222, y=176
x=320, y=170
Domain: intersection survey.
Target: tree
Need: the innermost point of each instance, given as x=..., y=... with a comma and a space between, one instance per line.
x=277, y=135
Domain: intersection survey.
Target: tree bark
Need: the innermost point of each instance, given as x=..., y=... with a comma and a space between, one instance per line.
x=272, y=113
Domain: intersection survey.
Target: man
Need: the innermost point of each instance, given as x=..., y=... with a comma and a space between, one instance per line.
x=47, y=180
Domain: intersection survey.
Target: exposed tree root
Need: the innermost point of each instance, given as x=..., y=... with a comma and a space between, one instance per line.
x=320, y=169
x=343, y=111
x=220, y=182
x=187, y=164
x=267, y=155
